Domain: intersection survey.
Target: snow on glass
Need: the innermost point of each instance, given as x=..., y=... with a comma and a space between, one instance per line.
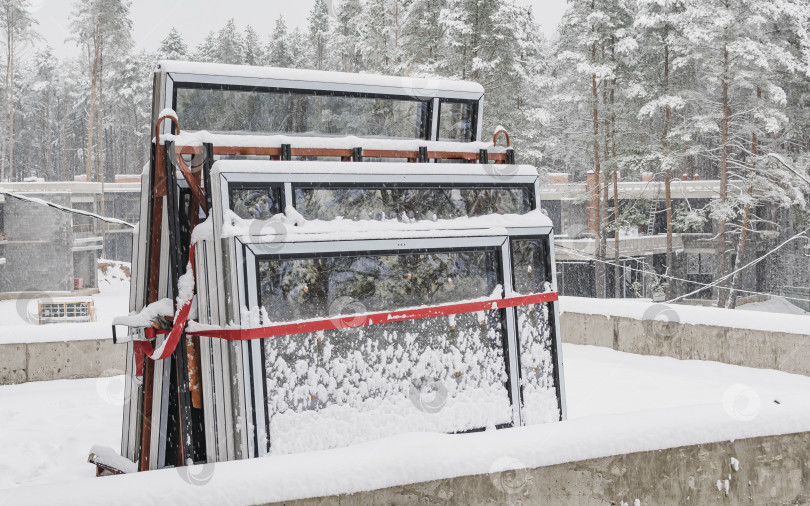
x=346, y=385
x=531, y=275
x=448, y=374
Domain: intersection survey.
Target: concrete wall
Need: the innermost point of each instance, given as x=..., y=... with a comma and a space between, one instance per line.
x=750, y=348
x=38, y=253
x=45, y=361
x=772, y=470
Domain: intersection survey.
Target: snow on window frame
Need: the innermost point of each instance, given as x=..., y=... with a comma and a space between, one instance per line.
x=171, y=76
x=547, y=403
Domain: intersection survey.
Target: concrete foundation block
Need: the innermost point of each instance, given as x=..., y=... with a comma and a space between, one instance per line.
x=765, y=470
x=75, y=359
x=594, y=330
x=12, y=364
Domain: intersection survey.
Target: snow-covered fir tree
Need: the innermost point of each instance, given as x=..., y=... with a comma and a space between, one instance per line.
x=173, y=47
x=709, y=89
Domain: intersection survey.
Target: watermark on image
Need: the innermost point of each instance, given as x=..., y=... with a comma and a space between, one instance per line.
x=331, y=11
x=428, y=397
x=509, y=475
x=503, y=171
x=663, y=320
x=198, y=474
x=273, y=233
x=111, y=387
x=347, y=312
x=28, y=308
x=421, y=87
x=741, y=402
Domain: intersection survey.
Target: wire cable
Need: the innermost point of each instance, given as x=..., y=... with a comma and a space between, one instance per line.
x=41, y=202
x=652, y=272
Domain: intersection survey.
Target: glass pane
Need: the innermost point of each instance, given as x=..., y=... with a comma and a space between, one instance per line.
x=530, y=272
x=295, y=289
x=414, y=203
x=534, y=333
x=707, y=263
x=224, y=110
x=260, y=202
x=343, y=386
x=456, y=121
x=693, y=263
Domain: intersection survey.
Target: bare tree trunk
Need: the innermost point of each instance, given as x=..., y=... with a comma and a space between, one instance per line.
x=11, y=49
x=3, y=136
x=617, y=288
x=731, y=302
x=605, y=191
x=599, y=267
x=721, y=225
x=51, y=171
x=667, y=174
x=88, y=161
x=100, y=144
x=62, y=151
x=687, y=167
x=100, y=157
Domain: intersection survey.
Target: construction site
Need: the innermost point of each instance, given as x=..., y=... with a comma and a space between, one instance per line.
x=330, y=288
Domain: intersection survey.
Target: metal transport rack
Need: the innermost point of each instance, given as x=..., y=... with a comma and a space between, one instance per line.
x=282, y=303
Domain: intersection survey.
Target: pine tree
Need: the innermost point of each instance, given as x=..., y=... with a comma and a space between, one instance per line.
x=173, y=47
x=661, y=27
x=319, y=35
x=207, y=50
x=347, y=36
x=278, y=51
x=16, y=27
x=299, y=46
x=384, y=37
x=254, y=53
x=230, y=47
x=426, y=48
x=741, y=57
x=100, y=26
x=589, y=32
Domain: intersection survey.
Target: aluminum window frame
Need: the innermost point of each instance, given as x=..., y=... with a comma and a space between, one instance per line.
x=228, y=409
x=244, y=395
x=475, y=124
x=250, y=252
x=166, y=84
x=427, y=112
x=550, y=268
x=290, y=181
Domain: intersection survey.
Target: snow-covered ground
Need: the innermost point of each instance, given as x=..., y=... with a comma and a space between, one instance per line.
x=47, y=427
x=617, y=403
x=645, y=309
x=774, y=305
x=18, y=318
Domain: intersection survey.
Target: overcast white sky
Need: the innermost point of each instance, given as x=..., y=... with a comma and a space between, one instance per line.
x=152, y=19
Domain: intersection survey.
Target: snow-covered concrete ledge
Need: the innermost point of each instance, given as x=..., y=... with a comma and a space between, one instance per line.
x=656, y=429
x=675, y=456
x=766, y=470
x=32, y=352
x=732, y=336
